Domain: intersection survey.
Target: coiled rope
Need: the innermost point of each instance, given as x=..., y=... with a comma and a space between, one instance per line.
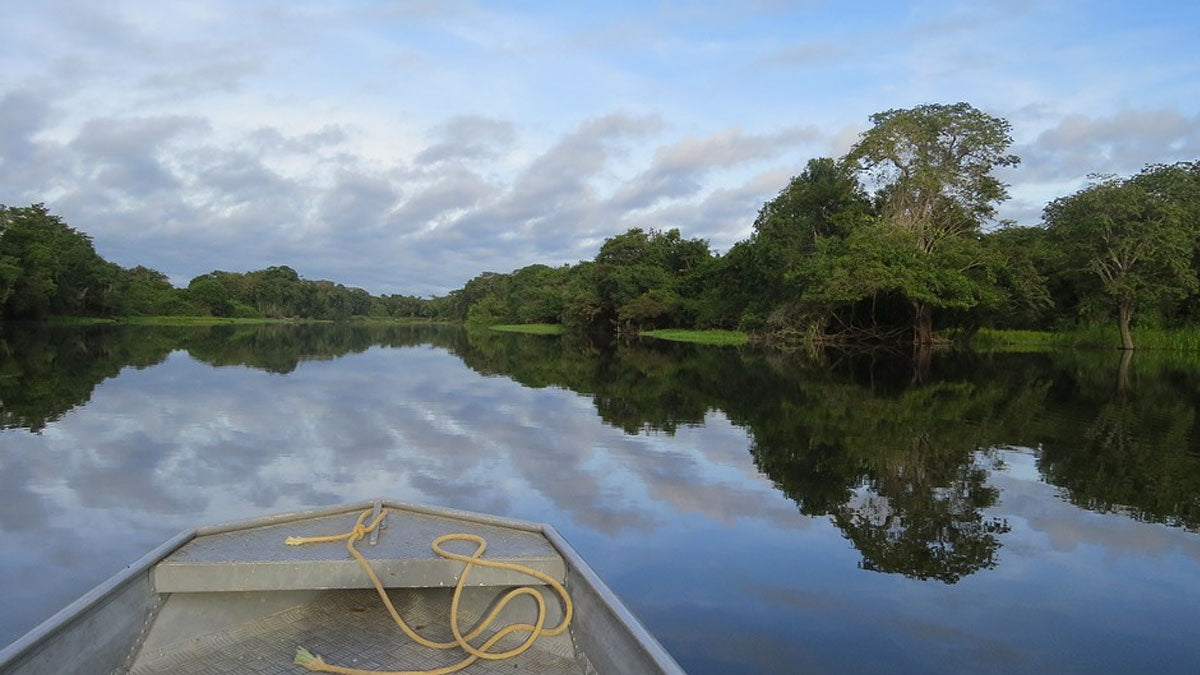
x=535, y=630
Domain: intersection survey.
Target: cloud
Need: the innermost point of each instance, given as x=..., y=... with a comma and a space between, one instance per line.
x=468, y=137
x=271, y=140
x=220, y=75
x=1120, y=143
x=724, y=215
x=22, y=114
x=284, y=134
x=359, y=203
x=128, y=155
x=452, y=190
x=568, y=167
x=551, y=205
x=29, y=165
x=678, y=170
x=1057, y=160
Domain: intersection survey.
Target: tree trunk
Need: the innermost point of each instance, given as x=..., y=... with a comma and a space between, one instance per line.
x=922, y=360
x=922, y=324
x=1123, y=371
x=1126, y=315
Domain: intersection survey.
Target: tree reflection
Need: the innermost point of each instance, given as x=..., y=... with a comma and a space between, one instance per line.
x=47, y=371
x=898, y=467
x=899, y=463
x=922, y=518
x=1135, y=448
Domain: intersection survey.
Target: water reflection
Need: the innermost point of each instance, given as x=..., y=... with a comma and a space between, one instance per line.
x=642, y=452
x=855, y=438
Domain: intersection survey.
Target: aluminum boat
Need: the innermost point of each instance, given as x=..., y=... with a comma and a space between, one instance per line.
x=235, y=598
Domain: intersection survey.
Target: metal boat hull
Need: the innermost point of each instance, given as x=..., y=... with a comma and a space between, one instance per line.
x=155, y=616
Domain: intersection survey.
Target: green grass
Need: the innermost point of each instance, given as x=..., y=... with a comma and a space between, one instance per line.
x=79, y=321
x=1086, y=337
x=531, y=328
x=397, y=320
x=704, y=337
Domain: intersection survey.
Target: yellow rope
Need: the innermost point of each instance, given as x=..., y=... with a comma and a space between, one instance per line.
x=535, y=630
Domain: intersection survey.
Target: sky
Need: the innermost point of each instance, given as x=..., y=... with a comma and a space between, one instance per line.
x=405, y=147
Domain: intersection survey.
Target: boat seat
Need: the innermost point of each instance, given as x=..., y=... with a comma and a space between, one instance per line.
x=257, y=559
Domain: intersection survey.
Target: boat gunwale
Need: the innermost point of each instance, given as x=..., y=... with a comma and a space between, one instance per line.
x=98, y=595
x=654, y=649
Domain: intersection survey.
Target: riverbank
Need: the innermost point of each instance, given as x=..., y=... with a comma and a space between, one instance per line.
x=531, y=328
x=704, y=337
x=1087, y=337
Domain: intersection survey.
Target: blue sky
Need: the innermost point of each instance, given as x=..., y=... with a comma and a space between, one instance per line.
x=407, y=146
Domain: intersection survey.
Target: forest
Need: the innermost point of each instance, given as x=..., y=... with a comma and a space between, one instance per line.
x=50, y=269
x=893, y=242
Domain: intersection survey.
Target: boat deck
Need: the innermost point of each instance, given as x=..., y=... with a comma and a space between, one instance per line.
x=352, y=628
x=235, y=598
x=256, y=559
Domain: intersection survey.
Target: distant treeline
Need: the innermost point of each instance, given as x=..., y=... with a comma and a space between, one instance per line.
x=884, y=244
x=887, y=243
x=48, y=268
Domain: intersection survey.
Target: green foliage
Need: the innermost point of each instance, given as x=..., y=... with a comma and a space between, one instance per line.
x=1132, y=239
x=211, y=295
x=640, y=275
x=48, y=267
x=933, y=167
x=488, y=311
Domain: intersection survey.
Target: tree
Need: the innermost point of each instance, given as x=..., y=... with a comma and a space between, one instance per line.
x=208, y=292
x=825, y=202
x=48, y=267
x=933, y=167
x=1178, y=185
x=1132, y=239
x=632, y=264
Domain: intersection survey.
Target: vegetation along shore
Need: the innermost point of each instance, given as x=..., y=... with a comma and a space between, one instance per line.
x=893, y=242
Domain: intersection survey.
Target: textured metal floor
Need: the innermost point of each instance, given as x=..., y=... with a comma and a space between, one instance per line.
x=352, y=628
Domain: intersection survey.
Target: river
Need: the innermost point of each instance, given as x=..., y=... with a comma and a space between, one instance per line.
x=760, y=512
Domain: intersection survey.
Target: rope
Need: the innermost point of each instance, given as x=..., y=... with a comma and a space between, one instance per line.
x=535, y=630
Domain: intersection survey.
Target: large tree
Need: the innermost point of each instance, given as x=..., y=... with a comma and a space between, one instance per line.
x=48, y=267
x=824, y=202
x=639, y=276
x=1132, y=238
x=932, y=167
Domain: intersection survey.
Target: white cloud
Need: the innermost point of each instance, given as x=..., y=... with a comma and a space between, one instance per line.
x=408, y=147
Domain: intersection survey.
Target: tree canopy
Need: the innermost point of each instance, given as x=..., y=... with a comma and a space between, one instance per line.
x=1132, y=237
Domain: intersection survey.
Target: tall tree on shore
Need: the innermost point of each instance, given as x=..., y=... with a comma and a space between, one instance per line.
x=932, y=166
x=1132, y=238
x=824, y=202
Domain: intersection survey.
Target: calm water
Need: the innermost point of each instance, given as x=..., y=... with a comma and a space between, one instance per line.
x=759, y=512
